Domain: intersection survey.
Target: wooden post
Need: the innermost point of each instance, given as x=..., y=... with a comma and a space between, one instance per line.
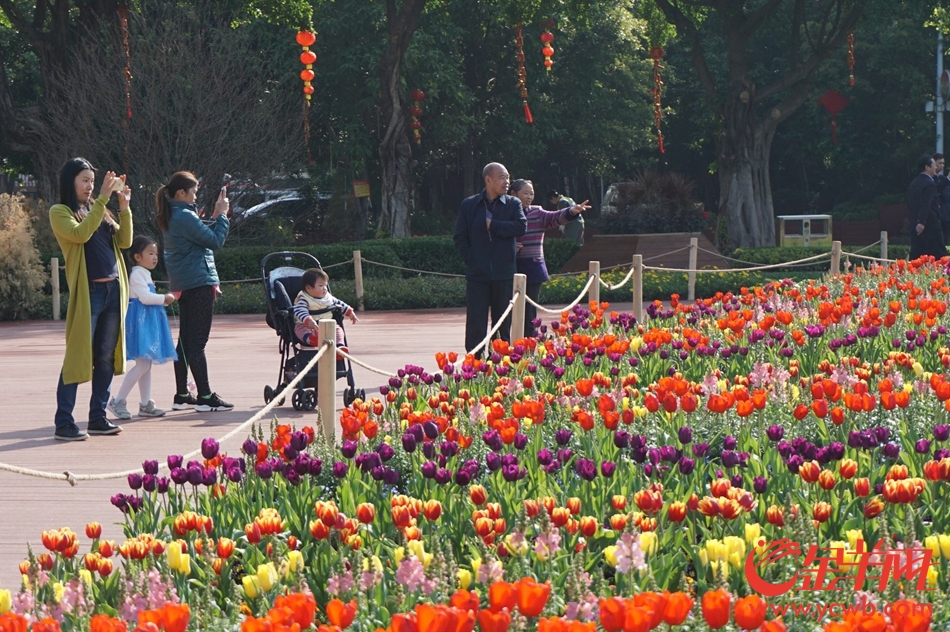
x=517, y=312
x=693, y=254
x=54, y=281
x=835, y=257
x=883, y=247
x=638, y=288
x=593, y=270
x=326, y=383
x=358, y=277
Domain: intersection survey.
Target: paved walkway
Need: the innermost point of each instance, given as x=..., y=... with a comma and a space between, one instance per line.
x=242, y=357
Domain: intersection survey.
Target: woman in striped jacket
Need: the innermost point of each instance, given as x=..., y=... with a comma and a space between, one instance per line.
x=531, y=244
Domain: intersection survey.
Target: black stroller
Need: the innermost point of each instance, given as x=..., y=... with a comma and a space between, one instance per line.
x=282, y=282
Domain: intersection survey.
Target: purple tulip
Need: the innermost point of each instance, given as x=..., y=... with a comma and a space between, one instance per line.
x=729, y=443
x=941, y=432
x=299, y=440
x=348, y=449
x=250, y=447
x=120, y=502
x=586, y=469
x=264, y=470
x=891, y=451
x=340, y=469
x=429, y=469
x=794, y=462
x=302, y=464
x=700, y=450
x=463, y=477
x=512, y=473
x=493, y=461
x=209, y=448
x=391, y=476
x=607, y=469
x=775, y=433
x=686, y=466
x=729, y=458
x=290, y=452
x=135, y=481
x=195, y=476
x=545, y=457
x=179, y=475
x=443, y=476
x=209, y=477
x=408, y=442
x=385, y=452
x=292, y=476
x=760, y=484
x=685, y=435
x=736, y=481
x=431, y=429
x=150, y=467
x=922, y=446
x=621, y=439
x=174, y=460
x=521, y=441
x=562, y=437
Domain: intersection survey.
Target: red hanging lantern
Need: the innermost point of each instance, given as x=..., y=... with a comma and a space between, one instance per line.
x=833, y=102
x=522, y=75
x=851, y=58
x=417, y=96
x=124, y=23
x=547, y=37
x=656, y=54
x=308, y=58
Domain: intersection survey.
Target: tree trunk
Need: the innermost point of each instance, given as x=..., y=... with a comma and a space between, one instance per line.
x=395, y=152
x=745, y=192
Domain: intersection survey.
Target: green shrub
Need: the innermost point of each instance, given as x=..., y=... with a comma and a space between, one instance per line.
x=21, y=269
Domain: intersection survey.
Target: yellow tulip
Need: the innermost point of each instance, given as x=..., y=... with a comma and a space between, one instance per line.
x=465, y=578
x=250, y=586
x=704, y=557
x=752, y=533
x=933, y=543
x=85, y=575
x=399, y=553
x=796, y=394
x=185, y=566
x=908, y=388
x=635, y=343
x=516, y=550
x=625, y=403
x=58, y=591
x=932, y=576
x=734, y=545
x=610, y=554
x=294, y=561
x=5, y=601
x=267, y=576
x=918, y=369
x=173, y=554
x=417, y=548
x=648, y=542
x=853, y=536
x=944, y=541
x=476, y=564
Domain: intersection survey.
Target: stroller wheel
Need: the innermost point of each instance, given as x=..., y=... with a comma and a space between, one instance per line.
x=298, y=399
x=361, y=394
x=269, y=394
x=348, y=396
x=310, y=401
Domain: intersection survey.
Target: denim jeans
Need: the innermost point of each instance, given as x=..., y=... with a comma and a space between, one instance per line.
x=104, y=303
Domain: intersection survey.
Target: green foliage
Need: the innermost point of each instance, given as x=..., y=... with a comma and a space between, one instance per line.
x=21, y=272
x=940, y=20
x=654, y=202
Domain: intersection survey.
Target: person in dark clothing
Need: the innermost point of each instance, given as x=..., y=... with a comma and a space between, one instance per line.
x=485, y=236
x=943, y=196
x=189, y=261
x=573, y=231
x=926, y=236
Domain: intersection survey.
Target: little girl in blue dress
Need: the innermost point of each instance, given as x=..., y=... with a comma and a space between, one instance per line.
x=148, y=338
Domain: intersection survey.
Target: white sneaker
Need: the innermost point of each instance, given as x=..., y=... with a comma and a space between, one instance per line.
x=149, y=410
x=118, y=408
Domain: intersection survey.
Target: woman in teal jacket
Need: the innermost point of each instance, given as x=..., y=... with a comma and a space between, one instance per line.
x=189, y=261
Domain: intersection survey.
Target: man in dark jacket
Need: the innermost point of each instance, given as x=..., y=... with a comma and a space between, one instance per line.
x=485, y=233
x=926, y=235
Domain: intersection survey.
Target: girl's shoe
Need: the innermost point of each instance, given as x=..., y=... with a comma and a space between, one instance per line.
x=118, y=408
x=149, y=410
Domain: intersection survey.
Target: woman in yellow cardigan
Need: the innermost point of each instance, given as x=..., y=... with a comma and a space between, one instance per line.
x=91, y=241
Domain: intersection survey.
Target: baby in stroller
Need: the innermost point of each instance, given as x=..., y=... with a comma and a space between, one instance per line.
x=315, y=298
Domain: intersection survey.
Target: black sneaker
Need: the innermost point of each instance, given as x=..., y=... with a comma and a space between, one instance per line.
x=184, y=402
x=103, y=427
x=212, y=402
x=70, y=433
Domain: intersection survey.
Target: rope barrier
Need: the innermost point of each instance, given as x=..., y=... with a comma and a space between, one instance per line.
x=666, y=254
x=567, y=307
x=72, y=479
x=764, y=267
x=618, y=285
x=501, y=320
x=346, y=355
x=878, y=259
x=386, y=265
x=342, y=263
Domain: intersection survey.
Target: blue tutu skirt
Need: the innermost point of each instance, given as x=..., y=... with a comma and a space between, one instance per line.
x=147, y=334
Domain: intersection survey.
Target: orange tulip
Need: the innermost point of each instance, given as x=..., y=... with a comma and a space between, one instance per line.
x=303, y=605
x=340, y=614
x=99, y=623
x=365, y=512
x=655, y=603
x=175, y=617
x=637, y=619
x=93, y=530
x=553, y=624
x=862, y=487
x=715, y=604
x=477, y=495
x=909, y=616
x=612, y=614
x=678, y=607
x=46, y=625
x=750, y=612
x=532, y=596
x=464, y=600
x=432, y=509
x=490, y=621
x=502, y=595
x=773, y=626
x=676, y=512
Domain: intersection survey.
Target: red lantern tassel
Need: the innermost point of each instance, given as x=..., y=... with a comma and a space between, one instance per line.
x=834, y=131
x=527, y=114
x=659, y=138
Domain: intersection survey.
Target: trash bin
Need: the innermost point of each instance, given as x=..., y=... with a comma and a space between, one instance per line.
x=804, y=230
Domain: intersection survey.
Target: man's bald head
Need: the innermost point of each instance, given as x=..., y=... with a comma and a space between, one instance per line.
x=496, y=179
